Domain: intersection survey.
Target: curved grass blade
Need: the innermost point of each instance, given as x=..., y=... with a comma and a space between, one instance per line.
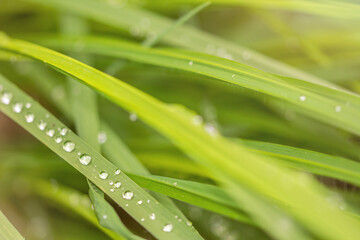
x=332, y=106
x=67, y=145
x=128, y=17
x=75, y=201
x=298, y=194
x=7, y=230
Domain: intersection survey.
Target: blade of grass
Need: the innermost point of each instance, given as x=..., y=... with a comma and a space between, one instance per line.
x=129, y=17
x=7, y=230
x=129, y=194
x=295, y=192
x=330, y=105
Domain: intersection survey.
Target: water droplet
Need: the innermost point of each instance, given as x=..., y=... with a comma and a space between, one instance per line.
x=189, y=223
x=42, y=125
x=6, y=98
x=111, y=183
x=175, y=183
x=17, y=107
x=29, y=117
x=126, y=205
x=58, y=139
x=211, y=129
x=143, y=219
x=148, y=201
x=117, y=172
x=152, y=216
x=133, y=117
x=117, y=184
x=197, y=120
x=28, y=105
x=102, y=137
x=112, y=190
x=233, y=75
x=63, y=131
x=180, y=220
x=128, y=195
x=302, y=98
x=168, y=228
x=105, y=217
x=85, y=159
x=50, y=132
x=338, y=108
x=69, y=146
x=140, y=202
x=176, y=216
x=191, y=63
x=103, y=175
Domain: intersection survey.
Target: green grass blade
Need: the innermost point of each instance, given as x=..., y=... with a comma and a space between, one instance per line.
x=330, y=105
x=7, y=230
x=128, y=17
x=97, y=165
x=314, y=162
x=73, y=200
x=298, y=194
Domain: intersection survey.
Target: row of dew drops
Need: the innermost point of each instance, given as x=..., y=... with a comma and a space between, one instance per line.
x=68, y=146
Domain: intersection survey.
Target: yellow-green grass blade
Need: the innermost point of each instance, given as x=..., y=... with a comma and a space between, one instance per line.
x=50, y=131
x=7, y=230
x=296, y=193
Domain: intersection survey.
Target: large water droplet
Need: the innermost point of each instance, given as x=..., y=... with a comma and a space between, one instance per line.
x=103, y=175
x=152, y=216
x=168, y=228
x=102, y=137
x=42, y=125
x=17, y=107
x=128, y=195
x=117, y=184
x=50, y=132
x=29, y=117
x=69, y=146
x=6, y=98
x=63, y=131
x=85, y=159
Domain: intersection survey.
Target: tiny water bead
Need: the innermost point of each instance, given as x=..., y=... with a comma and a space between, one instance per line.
x=140, y=202
x=111, y=183
x=197, y=120
x=338, y=108
x=189, y=223
x=58, y=139
x=42, y=125
x=18, y=107
x=152, y=216
x=117, y=184
x=117, y=172
x=302, y=98
x=191, y=63
x=112, y=190
x=102, y=137
x=133, y=117
x=6, y=98
x=143, y=219
x=28, y=105
x=69, y=146
x=148, y=201
x=50, y=132
x=105, y=217
x=210, y=129
x=168, y=228
x=233, y=75
x=103, y=175
x=29, y=117
x=85, y=159
x=128, y=195
x=63, y=131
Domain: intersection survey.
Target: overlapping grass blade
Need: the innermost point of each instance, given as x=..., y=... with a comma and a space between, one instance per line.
x=239, y=170
x=68, y=148
x=7, y=230
x=330, y=105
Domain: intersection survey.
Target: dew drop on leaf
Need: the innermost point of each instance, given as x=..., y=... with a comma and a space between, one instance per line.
x=103, y=175
x=133, y=117
x=85, y=159
x=58, y=139
x=50, y=132
x=117, y=184
x=338, y=108
x=302, y=98
x=17, y=107
x=168, y=228
x=29, y=117
x=42, y=125
x=69, y=146
x=102, y=137
x=128, y=195
x=6, y=98
x=28, y=105
x=63, y=131
x=140, y=202
x=152, y=216
x=117, y=172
